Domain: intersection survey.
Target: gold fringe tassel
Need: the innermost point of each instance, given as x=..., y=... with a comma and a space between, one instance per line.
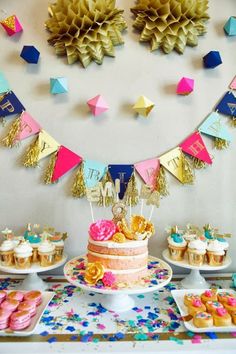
x=50, y=169
x=162, y=186
x=220, y=144
x=78, y=188
x=233, y=122
x=187, y=170
x=10, y=138
x=198, y=164
x=108, y=200
x=131, y=196
x=32, y=155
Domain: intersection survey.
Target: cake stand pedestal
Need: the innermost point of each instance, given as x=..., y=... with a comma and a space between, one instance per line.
x=32, y=281
x=118, y=298
x=194, y=280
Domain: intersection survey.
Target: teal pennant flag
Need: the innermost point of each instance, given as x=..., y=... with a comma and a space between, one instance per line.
x=93, y=172
x=214, y=126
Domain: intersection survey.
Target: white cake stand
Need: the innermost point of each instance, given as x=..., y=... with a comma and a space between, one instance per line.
x=32, y=281
x=194, y=280
x=118, y=299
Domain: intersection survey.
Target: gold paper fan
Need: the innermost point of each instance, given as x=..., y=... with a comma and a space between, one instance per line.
x=170, y=24
x=85, y=30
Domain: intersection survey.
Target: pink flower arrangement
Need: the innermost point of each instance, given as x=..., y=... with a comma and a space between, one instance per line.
x=102, y=230
x=108, y=279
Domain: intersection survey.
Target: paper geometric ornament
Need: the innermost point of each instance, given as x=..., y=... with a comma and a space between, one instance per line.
x=233, y=84
x=58, y=85
x=230, y=26
x=170, y=24
x=4, y=85
x=85, y=30
x=11, y=25
x=143, y=106
x=212, y=59
x=30, y=54
x=97, y=105
x=185, y=86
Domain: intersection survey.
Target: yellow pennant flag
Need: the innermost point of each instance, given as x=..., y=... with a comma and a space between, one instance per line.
x=47, y=145
x=173, y=162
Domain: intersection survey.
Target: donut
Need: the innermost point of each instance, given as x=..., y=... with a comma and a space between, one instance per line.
x=203, y=319
x=221, y=318
x=195, y=307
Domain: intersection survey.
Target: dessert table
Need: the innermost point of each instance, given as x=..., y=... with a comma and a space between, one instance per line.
x=76, y=322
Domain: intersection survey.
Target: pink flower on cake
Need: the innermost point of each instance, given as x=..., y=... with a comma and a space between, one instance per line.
x=108, y=279
x=102, y=230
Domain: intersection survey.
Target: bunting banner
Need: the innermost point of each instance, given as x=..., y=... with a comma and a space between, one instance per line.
x=28, y=126
x=194, y=146
x=121, y=174
x=214, y=126
x=65, y=161
x=93, y=172
x=47, y=145
x=227, y=105
x=148, y=171
x=10, y=104
x=172, y=161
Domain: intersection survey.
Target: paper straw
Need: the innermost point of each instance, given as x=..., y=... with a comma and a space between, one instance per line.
x=141, y=211
x=91, y=209
x=130, y=211
x=151, y=213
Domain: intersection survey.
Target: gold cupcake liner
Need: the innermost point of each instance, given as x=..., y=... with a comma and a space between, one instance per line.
x=7, y=258
x=59, y=253
x=195, y=259
x=22, y=262
x=177, y=253
x=35, y=256
x=46, y=260
x=215, y=259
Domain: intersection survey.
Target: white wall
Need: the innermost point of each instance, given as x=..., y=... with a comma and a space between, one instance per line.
x=117, y=137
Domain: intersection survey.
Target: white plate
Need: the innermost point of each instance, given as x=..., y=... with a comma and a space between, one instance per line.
x=46, y=298
x=178, y=296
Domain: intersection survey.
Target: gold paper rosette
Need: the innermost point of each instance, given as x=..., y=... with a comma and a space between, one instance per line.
x=85, y=30
x=94, y=273
x=138, y=226
x=170, y=24
x=119, y=237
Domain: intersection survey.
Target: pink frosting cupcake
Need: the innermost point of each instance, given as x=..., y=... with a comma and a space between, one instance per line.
x=9, y=305
x=20, y=320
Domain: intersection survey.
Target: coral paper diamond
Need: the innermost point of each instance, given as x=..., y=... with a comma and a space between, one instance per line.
x=97, y=105
x=185, y=86
x=143, y=106
x=11, y=25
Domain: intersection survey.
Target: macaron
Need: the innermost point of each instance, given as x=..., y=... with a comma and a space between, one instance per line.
x=3, y=295
x=20, y=320
x=4, y=318
x=9, y=305
x=15, y=295
x=28, y=305
x=34, y=295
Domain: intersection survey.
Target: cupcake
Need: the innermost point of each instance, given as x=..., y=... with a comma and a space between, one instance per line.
x=189, y=297
x=177, y=247
x=225, y=245
x=215, y=253
x=196, y=252
x=221, y=318
x=208, y=295
x=223, y=296
x=46, y=253
x=34, y=241
x=212, y=306
x=202, y=320
x=59, y=248
x=7, y=253
x=196, y=306
x=23, y=254
x=230, y=305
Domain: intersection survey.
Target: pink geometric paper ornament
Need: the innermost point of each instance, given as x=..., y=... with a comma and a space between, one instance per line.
x=194, y=146
x=29, y=126
x=11, y=25
x=97, y=105
x=185, y=86
x=66, y=160
x=148, y=170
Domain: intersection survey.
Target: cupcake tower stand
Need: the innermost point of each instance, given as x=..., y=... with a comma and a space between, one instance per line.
x=32, y=281
x=194, y=280
x=119, y=300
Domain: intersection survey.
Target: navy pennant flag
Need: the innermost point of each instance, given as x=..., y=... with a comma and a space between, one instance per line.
x=227, y=105
x=122, y=173
x=9, y=104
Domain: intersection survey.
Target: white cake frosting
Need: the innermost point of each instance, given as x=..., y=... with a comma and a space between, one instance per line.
x=127, y=244
x=46, y=246
x=198, y=245
x=23, y=250
x=7, y=245
x=216, y=246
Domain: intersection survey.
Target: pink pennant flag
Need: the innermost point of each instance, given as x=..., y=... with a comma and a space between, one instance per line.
x=194, y=146
x=29, y=126
x=148, y=170
x=66, y=160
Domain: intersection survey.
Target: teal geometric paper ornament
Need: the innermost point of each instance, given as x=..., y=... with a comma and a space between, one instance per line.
x=58, y=85
x=230, y=26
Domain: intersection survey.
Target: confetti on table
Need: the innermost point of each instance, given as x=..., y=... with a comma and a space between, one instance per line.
x=177, y=340
x=44, y=334
x=52, y=340
x=211, y=335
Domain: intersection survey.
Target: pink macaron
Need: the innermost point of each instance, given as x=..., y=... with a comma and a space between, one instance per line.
x=34, y=295
x=15, y=295
x=9, y=305
x=4, y=318
x=28, y=305
x=20, y=320
x=3, y=295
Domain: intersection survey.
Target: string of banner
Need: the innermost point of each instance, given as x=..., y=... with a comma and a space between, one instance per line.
x=104, y=184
